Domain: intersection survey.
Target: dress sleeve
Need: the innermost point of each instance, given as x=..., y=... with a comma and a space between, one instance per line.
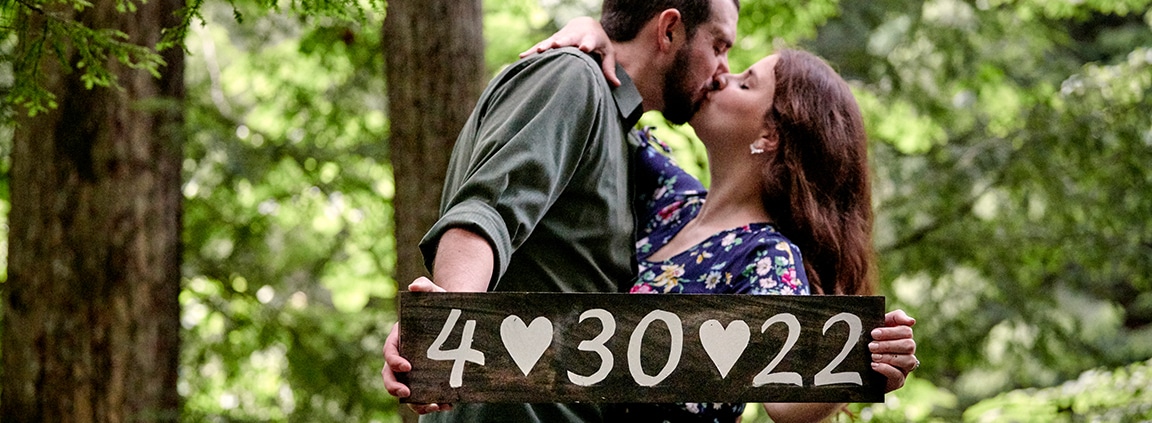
x=532, y=130
x=660, y=182
x=767, y=264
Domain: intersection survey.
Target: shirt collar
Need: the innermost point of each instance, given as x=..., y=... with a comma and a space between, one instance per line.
x=628, y=100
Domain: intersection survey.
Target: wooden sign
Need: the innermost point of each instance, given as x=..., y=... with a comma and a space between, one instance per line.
x=547, y=347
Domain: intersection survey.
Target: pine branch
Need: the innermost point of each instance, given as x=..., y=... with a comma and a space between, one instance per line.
x=32, y=6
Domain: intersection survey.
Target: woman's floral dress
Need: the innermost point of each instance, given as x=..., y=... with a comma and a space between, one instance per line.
x=753, y=259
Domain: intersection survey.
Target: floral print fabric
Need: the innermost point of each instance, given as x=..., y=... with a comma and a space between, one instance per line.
x=752, y=259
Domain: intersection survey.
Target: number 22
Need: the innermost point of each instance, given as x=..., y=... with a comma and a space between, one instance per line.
x=825, y=376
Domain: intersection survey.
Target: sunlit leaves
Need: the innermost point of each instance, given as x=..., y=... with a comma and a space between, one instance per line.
x=1096, y=395
x=765, y=24
x=321, y=11
x=287, y=216
x=1015, y=224
x=899, y=123
x=54, y=34
x=1030, y=9
x=1121, y=85
x=49, y=29
x=511, y=26
x=919, y=400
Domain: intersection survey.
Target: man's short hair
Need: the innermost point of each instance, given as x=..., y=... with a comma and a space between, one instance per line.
x=623, y=19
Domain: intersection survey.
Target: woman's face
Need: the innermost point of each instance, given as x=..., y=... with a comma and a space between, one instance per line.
x=735, y=112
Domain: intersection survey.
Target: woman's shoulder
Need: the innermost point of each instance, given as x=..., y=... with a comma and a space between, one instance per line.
x=755, y=239
x=764, y=261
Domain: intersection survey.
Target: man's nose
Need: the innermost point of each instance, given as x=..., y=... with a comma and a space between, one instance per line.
x=720, y=81
x=723, y=66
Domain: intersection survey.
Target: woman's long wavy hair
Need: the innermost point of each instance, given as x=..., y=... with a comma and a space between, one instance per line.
x=817, y=187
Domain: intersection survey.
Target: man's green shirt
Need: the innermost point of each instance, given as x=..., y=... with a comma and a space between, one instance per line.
x=542, y=170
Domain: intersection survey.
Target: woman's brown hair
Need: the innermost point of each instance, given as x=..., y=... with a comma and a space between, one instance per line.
x=817, y=187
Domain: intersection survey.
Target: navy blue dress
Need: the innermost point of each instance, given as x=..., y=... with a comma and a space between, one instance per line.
x=752, y=259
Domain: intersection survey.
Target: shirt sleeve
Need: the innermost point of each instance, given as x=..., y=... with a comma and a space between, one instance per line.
x=532, y=129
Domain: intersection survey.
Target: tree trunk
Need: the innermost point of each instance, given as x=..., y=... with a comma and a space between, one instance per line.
x=91, y=317
x=434, y=53
x=434, y=58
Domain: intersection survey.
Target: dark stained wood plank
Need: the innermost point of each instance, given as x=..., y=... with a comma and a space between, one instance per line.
x=639, y=354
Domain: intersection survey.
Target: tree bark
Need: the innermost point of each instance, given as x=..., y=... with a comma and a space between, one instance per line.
x=434, y=66
x=91, y=312
x=434, y=53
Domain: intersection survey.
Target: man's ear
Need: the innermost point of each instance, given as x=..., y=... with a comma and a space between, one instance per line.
x=670, y=31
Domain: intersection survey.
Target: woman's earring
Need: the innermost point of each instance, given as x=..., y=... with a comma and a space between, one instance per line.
x=754, y=149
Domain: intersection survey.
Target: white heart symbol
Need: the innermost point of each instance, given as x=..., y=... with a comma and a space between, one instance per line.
x=724, y=346
x=526, y=343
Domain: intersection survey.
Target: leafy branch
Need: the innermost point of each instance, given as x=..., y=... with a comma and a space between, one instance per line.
x=31, y=6
x=75, y=47
x=174, y=36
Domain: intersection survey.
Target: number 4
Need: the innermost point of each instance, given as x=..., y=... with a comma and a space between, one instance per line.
x=459, y=355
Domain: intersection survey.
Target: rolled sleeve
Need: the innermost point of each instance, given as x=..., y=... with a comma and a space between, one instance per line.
x=474, y=216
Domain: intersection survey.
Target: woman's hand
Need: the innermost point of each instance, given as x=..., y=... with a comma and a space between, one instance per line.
x=587, y=35
x=893, y=355
x=394, y=363
x=894, y=350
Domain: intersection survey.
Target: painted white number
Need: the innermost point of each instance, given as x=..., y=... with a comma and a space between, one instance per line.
x=712, y=334
x=597, y=345
x=826, y=377
x=765, y=376
x=459, y=355
x=675, y=329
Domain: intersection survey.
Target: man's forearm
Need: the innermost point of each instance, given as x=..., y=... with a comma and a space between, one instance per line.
x=464, y=261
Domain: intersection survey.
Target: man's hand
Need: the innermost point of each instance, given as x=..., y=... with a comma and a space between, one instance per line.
x=464, y=263
x=394, y=363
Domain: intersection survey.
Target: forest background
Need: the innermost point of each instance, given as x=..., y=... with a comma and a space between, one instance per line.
x=1010, y=142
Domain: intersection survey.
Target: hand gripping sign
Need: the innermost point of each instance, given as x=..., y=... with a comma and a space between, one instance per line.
x=548, y=347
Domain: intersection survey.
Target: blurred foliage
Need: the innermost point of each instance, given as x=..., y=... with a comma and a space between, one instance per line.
x=1100, y=395
x=1010, y=142
x=287, y=222
x=1010, y=151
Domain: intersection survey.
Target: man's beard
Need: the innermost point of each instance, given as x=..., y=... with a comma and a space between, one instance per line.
x=679, y=104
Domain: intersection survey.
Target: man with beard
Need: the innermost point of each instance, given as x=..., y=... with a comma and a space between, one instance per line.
x=538, y=196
